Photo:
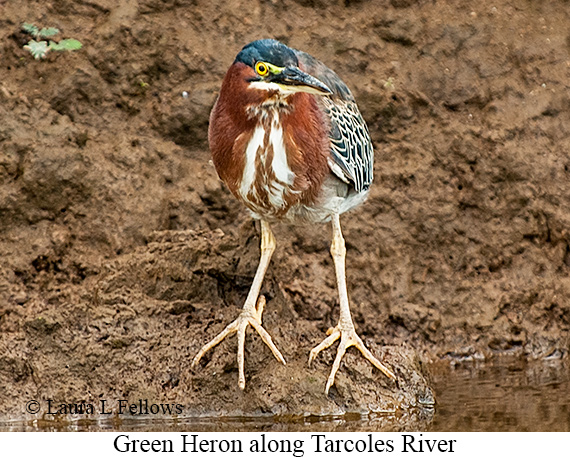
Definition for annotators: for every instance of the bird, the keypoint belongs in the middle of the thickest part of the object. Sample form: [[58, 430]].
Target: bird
[[288, 140]]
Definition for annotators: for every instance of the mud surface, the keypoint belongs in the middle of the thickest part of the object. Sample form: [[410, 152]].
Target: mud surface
[[122, 253]]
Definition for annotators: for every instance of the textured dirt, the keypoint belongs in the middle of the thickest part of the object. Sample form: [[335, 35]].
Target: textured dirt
[[122, 253]]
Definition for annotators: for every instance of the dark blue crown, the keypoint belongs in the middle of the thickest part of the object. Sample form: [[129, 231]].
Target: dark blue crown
[[267, 50]]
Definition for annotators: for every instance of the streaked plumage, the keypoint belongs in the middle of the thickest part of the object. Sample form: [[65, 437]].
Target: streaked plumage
[[351, 147], [289, 141]]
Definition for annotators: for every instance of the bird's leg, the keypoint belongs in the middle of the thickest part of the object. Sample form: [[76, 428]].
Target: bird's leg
[[252, 310], [345, 327]]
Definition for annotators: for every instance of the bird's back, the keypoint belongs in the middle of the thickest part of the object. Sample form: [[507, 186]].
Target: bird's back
[[351, 148]]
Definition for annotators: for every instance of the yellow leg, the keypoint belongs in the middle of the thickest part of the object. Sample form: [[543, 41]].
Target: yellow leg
[[252, 311], [345, 327]]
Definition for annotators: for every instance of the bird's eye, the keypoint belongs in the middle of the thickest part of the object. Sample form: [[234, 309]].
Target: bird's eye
[[261, 68]]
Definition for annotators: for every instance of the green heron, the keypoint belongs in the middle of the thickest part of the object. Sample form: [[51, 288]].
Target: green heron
[[289, 141]]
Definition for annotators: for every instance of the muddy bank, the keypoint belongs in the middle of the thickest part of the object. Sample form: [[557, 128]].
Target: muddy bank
[[122, 253]]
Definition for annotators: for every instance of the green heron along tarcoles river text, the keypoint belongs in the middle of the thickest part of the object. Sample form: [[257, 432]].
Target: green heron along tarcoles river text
[[289, 141]]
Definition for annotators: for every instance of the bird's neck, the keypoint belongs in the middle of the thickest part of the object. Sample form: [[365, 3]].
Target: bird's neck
[[272, 107]]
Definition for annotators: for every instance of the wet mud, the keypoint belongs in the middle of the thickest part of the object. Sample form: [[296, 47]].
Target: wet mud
[[122, 253]]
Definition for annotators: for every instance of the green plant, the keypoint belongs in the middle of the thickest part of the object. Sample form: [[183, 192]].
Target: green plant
[[389, 84], [39, 47]]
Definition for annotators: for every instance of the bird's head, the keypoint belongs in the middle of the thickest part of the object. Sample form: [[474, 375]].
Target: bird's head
[[266, 68]]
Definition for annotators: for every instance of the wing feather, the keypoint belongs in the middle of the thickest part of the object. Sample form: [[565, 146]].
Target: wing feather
[[352, 155], [351, 147]]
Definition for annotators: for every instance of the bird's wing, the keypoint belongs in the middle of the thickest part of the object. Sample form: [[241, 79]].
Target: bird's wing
[[352, 156], [351, 148]]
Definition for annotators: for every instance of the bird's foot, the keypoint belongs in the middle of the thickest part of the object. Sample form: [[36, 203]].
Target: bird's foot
[[348, 337], [250, 315]]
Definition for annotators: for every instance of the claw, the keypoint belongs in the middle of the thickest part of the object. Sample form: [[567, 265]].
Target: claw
[[251, 312], [348, 337], [246, 318], [345, 328]]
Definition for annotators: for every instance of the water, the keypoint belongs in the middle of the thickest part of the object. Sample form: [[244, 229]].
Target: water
[[507, 395]]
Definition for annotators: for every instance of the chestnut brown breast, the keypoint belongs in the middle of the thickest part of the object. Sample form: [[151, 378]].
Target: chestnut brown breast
[[271, 152]]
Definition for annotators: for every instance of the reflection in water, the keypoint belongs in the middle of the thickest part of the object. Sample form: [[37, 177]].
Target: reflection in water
[[508, 395], [511, 396]]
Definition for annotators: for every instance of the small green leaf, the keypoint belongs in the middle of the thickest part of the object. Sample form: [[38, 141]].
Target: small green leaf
[[30, 28], [47, 32], [38, 49], [65, 45]]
